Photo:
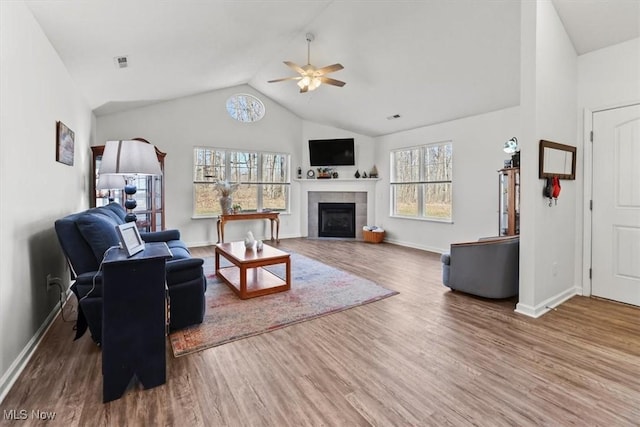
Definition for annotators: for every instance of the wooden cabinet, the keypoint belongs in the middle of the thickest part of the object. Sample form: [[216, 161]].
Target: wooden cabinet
[[509, 202], [149, 196]]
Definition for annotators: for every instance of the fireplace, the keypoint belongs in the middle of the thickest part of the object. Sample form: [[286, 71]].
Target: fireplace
[[324, 195], [337, 220]]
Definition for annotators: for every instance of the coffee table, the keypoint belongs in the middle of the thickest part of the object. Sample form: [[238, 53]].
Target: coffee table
[[246, 277]]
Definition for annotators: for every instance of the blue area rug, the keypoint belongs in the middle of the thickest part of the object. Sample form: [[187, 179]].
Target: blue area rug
[[316, 290]]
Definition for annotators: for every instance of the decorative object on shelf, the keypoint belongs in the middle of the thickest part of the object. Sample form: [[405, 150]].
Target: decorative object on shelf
[[334, 175], [299, 172], [249, 240], [512, 147], [311, 174], [236, 208], [325, 173], [64, 144], [130, 158], [357, 174], [225, 190], [259, 245], [364, 174], [373, 173]]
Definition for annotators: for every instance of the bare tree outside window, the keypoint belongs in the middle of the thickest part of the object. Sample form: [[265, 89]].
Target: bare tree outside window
[[421, 181], [263, 177]]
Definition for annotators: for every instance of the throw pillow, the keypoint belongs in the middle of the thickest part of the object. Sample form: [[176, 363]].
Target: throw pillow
[[99, 231]]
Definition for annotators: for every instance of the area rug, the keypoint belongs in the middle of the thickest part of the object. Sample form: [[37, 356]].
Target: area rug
[[316, 290]]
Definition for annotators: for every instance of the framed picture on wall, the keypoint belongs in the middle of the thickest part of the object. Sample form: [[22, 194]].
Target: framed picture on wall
[[64, 144]]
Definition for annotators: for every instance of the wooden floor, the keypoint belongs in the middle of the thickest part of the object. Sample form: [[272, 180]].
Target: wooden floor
[[425, 357]]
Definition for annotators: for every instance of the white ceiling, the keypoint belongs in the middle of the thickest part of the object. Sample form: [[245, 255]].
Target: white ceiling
[[428, 61]]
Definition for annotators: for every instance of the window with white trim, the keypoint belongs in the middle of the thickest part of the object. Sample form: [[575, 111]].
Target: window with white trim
[[263, 177], [421, 185]]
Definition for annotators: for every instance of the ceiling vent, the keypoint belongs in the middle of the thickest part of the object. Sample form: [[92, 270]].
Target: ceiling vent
[[121, 61]]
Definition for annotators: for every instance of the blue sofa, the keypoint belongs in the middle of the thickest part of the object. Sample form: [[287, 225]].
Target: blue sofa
[[86, 236]]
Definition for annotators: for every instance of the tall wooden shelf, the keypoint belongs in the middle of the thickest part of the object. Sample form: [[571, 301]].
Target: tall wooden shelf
[[150, 194], [509, 202]]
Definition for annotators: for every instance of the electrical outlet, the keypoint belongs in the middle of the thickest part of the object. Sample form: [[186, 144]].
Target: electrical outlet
[[554, 269], [51, 280]]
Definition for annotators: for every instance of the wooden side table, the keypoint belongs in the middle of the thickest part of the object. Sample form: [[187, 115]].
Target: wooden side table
[[274, 217], [134, 319]]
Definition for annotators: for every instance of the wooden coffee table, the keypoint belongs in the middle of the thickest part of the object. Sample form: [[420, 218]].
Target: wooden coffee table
[[246, 277]]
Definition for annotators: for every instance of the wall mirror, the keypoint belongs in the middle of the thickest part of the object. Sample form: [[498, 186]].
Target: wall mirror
[[557, 160]]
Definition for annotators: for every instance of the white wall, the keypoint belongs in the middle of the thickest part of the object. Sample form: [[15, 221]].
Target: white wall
[[610, 77], [607, 78], [477, 156], [35, 190], [177, 126], [549, 101]]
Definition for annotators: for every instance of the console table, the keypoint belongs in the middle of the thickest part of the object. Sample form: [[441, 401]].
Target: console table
[[134, 319], [245, 216]]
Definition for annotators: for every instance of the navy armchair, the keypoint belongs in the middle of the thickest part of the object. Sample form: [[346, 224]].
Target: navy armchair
[[487, 268], [86, 236]]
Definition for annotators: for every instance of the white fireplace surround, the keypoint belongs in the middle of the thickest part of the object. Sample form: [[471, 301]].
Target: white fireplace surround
[[358, 191]]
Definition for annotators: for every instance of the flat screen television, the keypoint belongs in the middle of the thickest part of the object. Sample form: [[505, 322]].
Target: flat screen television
[[331, 152]]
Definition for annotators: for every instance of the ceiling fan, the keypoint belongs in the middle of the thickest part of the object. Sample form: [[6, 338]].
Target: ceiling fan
[[311, 77]]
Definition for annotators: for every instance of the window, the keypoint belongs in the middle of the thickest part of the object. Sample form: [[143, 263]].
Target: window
[[263, 177], [245, 108], [421, 181]]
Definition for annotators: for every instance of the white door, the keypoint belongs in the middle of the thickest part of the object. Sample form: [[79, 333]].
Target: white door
[[616, 205]]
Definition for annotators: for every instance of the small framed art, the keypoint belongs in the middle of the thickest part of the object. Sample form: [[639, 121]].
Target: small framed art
[[64, 144]]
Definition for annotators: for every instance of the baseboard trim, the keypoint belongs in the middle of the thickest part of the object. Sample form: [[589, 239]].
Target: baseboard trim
[[414, 246], [547, 305], [18, 365]]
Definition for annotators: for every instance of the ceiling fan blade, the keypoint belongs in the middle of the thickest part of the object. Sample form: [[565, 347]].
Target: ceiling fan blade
[[328, 69], [295, 67], [331, 81], [284, 78]]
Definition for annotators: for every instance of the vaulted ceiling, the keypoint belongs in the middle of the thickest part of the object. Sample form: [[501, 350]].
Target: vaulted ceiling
[[428, 61]]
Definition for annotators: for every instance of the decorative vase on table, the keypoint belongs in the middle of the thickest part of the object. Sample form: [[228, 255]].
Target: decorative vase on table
[[249, 240], [226, 204]]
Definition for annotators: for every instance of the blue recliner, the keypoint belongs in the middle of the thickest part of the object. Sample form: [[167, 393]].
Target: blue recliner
[[86, 236]]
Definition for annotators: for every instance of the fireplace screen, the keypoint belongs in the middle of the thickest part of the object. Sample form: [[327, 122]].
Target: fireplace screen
[[336, 220]]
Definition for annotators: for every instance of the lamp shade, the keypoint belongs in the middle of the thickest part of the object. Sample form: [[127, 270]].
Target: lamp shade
[[107, 181], [129, 157]]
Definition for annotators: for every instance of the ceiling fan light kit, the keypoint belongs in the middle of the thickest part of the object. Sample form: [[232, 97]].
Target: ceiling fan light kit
[[310, 77]]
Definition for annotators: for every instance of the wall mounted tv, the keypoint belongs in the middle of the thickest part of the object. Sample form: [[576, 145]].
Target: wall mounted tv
[[331, 152]]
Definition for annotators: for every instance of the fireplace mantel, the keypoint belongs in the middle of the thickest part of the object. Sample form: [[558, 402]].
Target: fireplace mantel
[[360, 185]]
